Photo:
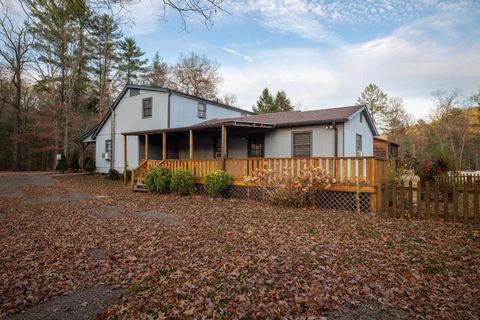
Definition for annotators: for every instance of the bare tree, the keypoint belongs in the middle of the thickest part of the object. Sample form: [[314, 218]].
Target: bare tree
[[197, 75], [186, 9], [16, 42]]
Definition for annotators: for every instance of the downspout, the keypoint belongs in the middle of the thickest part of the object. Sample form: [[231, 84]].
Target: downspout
[[335, 139], [112, 125], [168, 108]]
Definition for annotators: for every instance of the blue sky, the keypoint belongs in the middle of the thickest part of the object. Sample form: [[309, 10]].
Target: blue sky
[[323, 53]]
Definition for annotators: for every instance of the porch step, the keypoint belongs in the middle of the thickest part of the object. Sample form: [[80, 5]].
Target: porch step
[[140, 186]]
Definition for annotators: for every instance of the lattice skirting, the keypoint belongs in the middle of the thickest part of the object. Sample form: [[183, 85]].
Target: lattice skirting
[[321, 199]]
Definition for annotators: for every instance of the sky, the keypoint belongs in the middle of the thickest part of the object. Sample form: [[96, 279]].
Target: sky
[[322, 53]]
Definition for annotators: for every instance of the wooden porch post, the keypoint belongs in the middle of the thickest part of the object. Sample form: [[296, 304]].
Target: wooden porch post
[[125, 160], [191, 144], [146, 148], [224, 146], [164, 145]]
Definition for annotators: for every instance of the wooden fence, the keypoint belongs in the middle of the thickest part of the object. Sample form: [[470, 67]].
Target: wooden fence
[[458, 178], [346, 170], [451, 202]]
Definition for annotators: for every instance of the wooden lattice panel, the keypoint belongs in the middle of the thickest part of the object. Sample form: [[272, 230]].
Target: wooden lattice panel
[[342, 200], [320, 199]]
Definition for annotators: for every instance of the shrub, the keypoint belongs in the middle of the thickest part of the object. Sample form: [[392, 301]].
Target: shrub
[[74, 166], [113, 174], [158, 179], [129, 174], [90, 165], [217, 182], [62, 165], [287, 189], [182, 182]]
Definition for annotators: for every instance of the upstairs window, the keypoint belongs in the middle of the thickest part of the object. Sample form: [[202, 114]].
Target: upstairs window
[[134, 92], [147, 108], [302, 144], [359, 146], [361, 117], [202, 110]]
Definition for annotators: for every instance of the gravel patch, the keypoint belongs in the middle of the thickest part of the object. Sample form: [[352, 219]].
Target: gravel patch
[[68, 197], [109, 212], [167, 218], [367, 311], [10, 185], [86, 304], [97, 253]]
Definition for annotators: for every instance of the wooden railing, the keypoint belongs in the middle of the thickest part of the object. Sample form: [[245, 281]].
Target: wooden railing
[[369, 171]]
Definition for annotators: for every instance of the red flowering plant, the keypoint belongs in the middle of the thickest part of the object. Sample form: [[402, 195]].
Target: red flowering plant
[[429, 169]]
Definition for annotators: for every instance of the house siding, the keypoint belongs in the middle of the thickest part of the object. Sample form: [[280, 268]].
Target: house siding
[[354, 127], [278, 143], [129, 118], [184, 112]]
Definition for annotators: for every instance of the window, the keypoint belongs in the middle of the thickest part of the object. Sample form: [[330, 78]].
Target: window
[[302, 144], [108, 146], [134, 92], [147, 108], [361, 117], [359, 144], [217, 148], [256, 147], [202, 110]]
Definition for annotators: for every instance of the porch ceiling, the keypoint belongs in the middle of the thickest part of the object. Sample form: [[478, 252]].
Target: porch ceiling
[[232, 126]]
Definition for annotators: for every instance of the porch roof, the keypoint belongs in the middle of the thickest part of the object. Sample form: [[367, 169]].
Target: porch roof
[[205, 126]]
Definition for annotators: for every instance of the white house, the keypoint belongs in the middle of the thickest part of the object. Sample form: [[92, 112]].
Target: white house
[[196, 129]]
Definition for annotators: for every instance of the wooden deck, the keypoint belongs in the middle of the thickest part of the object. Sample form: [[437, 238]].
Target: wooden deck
[[368, 171]]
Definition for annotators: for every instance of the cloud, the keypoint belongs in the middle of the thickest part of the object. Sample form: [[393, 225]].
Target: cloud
[[249, 59], [411, 62]]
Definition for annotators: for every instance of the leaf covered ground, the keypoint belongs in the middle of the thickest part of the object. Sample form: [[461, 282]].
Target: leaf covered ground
[[193, 257]]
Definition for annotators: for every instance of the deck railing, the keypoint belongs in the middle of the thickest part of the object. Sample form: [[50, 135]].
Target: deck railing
[[346, 170]]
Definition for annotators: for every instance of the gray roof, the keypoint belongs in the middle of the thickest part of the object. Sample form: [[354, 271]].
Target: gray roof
[[291, 118]]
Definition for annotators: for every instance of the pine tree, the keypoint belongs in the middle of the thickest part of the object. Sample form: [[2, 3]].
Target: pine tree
[[107, 37], [282, 103], [265, 103], [376, 102], [130, 61]]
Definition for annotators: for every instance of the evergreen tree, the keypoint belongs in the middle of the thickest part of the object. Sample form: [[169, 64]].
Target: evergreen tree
[[107, 37], [265, 103], [282, 103], [376, 102], [130, 60]]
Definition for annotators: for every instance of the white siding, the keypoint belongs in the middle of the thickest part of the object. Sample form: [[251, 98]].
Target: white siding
[[129, 118], [354, 127], [278, 143], [183, 112]]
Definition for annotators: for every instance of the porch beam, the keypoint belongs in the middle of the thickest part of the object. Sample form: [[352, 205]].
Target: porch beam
[[146, 148], [224, 146], [164, 145], [191, 144], [125, 160]]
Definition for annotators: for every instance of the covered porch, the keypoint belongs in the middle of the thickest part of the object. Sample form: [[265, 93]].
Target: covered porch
[[239, 149]]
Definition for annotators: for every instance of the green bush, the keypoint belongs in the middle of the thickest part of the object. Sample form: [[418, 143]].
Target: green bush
[[182, 182], [113, 174], [158, 179], [217, 182], [74, 166], [62, 165], [129, 174], [90, 165]]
